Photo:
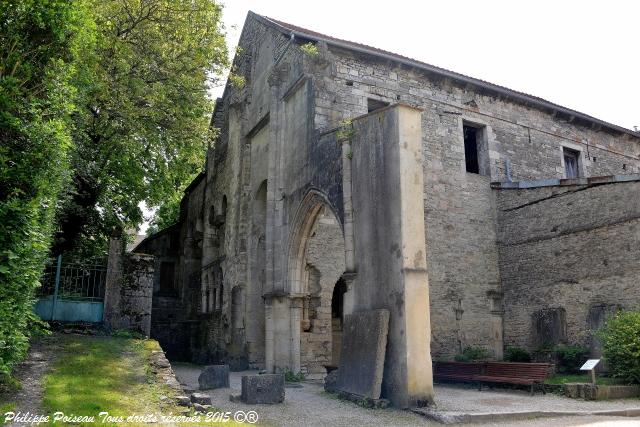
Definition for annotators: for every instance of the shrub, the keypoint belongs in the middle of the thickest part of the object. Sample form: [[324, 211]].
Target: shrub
[[292, 377], [516, 354], [40, 42], [621, 345], [309, 49], [472, 353], [570, 357]]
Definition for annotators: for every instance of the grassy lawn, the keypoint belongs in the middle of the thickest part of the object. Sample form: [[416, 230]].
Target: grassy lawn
[[563, 379], [96, 374]]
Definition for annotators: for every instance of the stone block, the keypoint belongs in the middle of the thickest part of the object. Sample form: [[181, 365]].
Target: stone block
[[268, 388], [201, 398], [214, 376], [183, 400], [331, 381], [600, 392], [364, 344]]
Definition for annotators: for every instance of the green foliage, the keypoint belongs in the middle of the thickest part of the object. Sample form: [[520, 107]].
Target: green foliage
[[292, 377], [570, 357], [8, 385], [309, 49], [41, 43], [103, 104], [125, 333], [516, 354], [472, 353], [143, 129], [345, 131], [236, 80], [166, 215], [621, 345]]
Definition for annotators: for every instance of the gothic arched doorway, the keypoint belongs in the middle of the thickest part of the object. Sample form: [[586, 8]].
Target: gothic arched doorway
[[317, 262]]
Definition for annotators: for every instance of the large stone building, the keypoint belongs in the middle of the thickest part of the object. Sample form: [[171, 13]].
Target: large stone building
[[346, 178]]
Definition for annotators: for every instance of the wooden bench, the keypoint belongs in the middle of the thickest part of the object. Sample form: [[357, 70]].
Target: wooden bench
[[457, 371], [531, 374]]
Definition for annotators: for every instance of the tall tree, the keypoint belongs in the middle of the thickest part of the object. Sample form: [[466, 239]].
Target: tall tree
[[41, 43], [143, 130]]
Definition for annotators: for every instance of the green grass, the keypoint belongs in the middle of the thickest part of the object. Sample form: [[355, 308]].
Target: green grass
[[9, 386], [5, 407], [563, 379], [95, 374]]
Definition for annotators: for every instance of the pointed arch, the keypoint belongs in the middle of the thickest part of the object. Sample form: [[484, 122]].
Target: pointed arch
[[301, 228]]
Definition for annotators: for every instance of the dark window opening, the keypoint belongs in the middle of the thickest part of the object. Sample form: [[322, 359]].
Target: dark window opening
[[375, 104], [337, 300], [571, 159], [471, 149], [212, 215], [167, 279], [224, 206]]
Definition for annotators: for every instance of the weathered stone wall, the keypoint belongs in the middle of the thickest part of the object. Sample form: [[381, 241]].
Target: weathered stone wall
[[459, 206], [129, 289], [569, 256]]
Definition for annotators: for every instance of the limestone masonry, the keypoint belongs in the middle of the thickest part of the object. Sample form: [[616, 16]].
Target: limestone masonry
[[347, 179]]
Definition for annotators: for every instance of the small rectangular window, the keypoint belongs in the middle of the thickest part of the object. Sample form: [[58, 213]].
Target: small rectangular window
[[571, 163], [476, 148], [471, 149]]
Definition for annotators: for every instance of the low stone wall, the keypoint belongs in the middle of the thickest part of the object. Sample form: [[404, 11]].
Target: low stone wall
[[601, 392]]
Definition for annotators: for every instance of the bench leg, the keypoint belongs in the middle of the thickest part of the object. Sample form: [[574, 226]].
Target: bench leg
[[531, 390], [544, 392], [479, 385]]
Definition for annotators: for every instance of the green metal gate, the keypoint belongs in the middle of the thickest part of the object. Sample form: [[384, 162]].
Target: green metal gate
[[72, 292]]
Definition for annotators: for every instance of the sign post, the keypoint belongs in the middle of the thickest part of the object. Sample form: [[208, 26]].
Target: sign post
[[590, 365]]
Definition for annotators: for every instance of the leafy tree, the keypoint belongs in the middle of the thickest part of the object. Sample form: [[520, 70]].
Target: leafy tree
[[144, 124], [621, 345], [40, 44]]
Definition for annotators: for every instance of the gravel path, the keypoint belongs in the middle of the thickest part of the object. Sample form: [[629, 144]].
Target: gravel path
[[306, 406], [311, 406], [42, 354]]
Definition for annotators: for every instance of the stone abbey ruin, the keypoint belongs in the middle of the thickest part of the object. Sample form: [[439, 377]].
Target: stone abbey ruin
[[347, 179]]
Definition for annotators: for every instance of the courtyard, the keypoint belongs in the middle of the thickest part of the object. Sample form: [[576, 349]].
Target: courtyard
[[306, 403]]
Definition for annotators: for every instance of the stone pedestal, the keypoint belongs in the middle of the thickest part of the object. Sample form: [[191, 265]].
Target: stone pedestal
[[214, 376], [268, 388]]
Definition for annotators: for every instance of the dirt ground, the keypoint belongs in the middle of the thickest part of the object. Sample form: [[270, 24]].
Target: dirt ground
[[30, 373]]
